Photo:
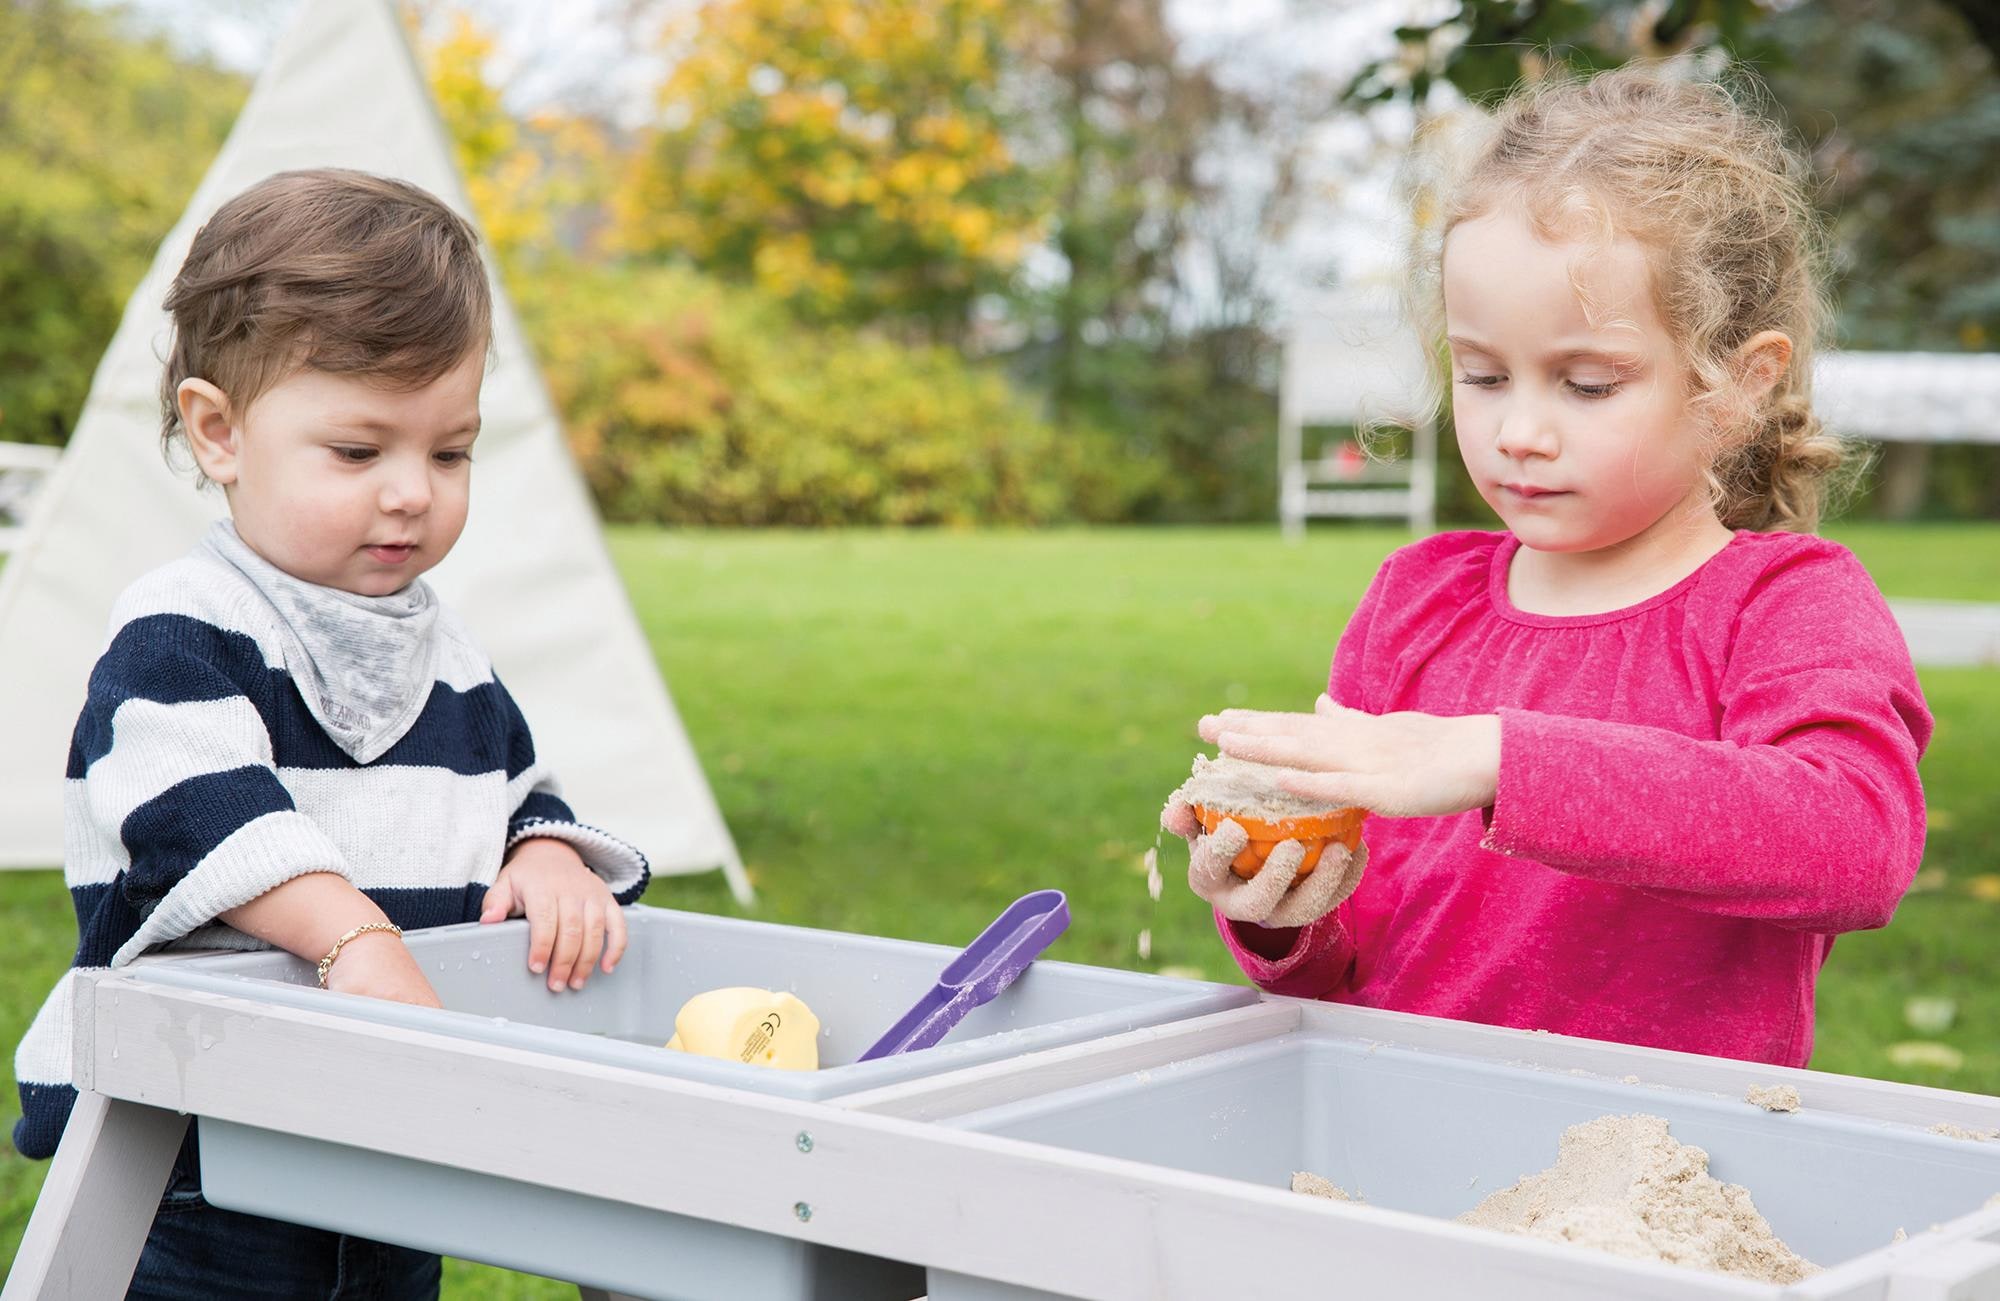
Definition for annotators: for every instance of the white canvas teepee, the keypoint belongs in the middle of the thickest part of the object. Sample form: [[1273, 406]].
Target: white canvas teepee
[[530, 575]]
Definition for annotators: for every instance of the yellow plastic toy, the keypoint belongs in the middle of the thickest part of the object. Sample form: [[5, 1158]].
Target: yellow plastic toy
[[745, 1024]]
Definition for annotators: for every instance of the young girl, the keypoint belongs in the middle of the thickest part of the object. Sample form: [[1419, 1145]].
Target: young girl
[[1639, 758]]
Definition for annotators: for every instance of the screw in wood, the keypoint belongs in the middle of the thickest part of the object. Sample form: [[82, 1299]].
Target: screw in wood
[[803, 1211], [804, 1141]]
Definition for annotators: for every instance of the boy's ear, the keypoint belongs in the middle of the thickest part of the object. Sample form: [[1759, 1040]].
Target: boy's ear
[[211, 437], [1762, 360]]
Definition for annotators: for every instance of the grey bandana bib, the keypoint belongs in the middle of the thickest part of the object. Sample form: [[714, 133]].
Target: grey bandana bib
[[364, 664]]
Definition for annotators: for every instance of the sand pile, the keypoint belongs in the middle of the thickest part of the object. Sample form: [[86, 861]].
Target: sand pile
[[1773, 1097], [1312, 1185], [1251, 789], [1621, 1184]]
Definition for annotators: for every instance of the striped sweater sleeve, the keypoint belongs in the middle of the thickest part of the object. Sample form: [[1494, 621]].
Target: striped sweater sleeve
[[172, 770], [539, 810], [173, 814]]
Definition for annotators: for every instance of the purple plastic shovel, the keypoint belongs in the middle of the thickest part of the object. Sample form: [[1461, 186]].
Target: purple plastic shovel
[[989, 964]]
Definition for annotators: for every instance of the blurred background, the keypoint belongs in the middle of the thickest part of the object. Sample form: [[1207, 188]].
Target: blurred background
[[924, 357]]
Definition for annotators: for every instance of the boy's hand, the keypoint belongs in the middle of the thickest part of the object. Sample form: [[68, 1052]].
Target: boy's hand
[[1274, 897], [571, 916], [1404, 765], [378, 965]]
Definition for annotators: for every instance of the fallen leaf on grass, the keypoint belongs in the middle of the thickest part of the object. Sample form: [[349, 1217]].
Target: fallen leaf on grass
[[1930, 1015], [1931, 878], [1940, 1057], [1182, 973], [1986, 887]]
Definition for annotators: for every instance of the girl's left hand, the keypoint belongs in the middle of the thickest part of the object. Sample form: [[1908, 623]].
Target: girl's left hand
[[1403, 765], [572, 917]]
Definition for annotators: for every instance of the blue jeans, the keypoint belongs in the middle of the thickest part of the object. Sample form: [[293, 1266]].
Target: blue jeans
[[198, 1252]]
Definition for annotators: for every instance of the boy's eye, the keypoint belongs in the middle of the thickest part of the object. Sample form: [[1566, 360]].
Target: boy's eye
[[453, 458], [354, 455]]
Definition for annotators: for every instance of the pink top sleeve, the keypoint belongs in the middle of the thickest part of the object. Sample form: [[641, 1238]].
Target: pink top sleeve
[[1806, 812]]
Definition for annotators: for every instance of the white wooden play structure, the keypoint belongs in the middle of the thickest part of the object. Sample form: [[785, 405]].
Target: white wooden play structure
[[1922, 397], [1348, 364], [1041, 1153], [531, 574]]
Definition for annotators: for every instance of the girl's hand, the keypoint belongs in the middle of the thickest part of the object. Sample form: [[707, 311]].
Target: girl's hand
[[1269, 898], [571, 916], [378, 965], [1404, 765]]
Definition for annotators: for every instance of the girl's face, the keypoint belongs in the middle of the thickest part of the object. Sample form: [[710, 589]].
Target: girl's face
[[345, 484], [1574, 424]]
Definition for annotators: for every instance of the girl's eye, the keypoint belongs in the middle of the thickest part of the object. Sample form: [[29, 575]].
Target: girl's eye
[[1480, 381], [354, 455], [1604, 390]]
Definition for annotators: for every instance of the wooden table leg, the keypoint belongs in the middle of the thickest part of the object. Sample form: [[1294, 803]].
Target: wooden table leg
[[97, 1204]]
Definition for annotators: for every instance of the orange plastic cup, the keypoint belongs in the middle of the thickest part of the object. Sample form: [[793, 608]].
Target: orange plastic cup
[[1315, 833]]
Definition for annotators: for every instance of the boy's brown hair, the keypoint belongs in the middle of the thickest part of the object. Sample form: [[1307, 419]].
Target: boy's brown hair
[[338, 270]]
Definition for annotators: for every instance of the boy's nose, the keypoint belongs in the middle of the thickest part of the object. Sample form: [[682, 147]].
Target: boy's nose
[[406, 493]]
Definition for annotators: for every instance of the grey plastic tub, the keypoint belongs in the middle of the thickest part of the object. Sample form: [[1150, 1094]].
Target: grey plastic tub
[[1427, 1132], [856, 984]]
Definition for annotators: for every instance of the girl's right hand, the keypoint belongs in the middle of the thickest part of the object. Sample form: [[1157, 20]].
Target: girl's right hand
[[379, 965], [1274, 897]]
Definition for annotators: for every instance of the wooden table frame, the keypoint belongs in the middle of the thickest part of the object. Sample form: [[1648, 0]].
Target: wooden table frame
[[876, 1176]]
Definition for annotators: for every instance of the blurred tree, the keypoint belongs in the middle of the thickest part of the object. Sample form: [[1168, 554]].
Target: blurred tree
[[1173, 188], [1482, 47], [103, 136], [1900, 104], [537, 184], [849, 156]]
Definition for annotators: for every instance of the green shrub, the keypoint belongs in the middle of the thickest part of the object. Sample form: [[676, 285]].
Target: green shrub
[[692, 402]]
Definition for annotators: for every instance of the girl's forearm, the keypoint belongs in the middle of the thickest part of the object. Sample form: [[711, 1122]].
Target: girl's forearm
[[1819, 831]]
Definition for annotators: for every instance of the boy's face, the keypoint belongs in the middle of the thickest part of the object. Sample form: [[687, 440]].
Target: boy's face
[[1575, 424], [345, 484]]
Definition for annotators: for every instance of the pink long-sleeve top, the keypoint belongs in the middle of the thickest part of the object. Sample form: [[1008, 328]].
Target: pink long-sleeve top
[[1696, 794]]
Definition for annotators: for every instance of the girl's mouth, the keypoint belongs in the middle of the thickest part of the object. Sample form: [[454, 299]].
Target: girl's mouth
[[1529, 492]]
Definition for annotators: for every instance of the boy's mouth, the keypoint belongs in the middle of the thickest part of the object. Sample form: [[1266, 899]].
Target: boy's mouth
[[392, 555]]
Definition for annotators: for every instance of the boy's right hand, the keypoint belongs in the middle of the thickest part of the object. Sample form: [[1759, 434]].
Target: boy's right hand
[[379, 965], [1274, 897]]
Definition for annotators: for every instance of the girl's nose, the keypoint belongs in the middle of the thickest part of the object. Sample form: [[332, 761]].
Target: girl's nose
[[1524, 433]]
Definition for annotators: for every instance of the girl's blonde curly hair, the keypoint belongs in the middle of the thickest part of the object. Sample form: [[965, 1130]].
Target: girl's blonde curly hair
[[1689, 168]]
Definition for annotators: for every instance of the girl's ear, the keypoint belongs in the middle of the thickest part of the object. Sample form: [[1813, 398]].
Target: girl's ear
[[211, 437], [1761, 361]]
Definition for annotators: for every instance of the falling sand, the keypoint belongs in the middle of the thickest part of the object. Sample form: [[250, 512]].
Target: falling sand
[[1622, 1185]]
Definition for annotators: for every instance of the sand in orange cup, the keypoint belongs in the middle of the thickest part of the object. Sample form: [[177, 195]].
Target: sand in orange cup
[[1315, 833]]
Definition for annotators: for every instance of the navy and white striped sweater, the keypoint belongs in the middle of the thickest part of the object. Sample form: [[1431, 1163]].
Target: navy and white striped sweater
[[198, 779]]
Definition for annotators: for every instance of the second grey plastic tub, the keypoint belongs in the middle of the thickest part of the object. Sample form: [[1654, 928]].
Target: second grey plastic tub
[[856, 984], [1428, 1132]]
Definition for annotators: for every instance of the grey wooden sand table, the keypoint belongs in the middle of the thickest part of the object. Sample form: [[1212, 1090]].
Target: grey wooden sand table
[[1054, 1152]]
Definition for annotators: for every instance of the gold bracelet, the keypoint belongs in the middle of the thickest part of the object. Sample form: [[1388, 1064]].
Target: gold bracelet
[[326, 963]]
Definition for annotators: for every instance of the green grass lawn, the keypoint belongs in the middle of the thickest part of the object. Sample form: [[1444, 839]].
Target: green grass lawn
[[906, 731]]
